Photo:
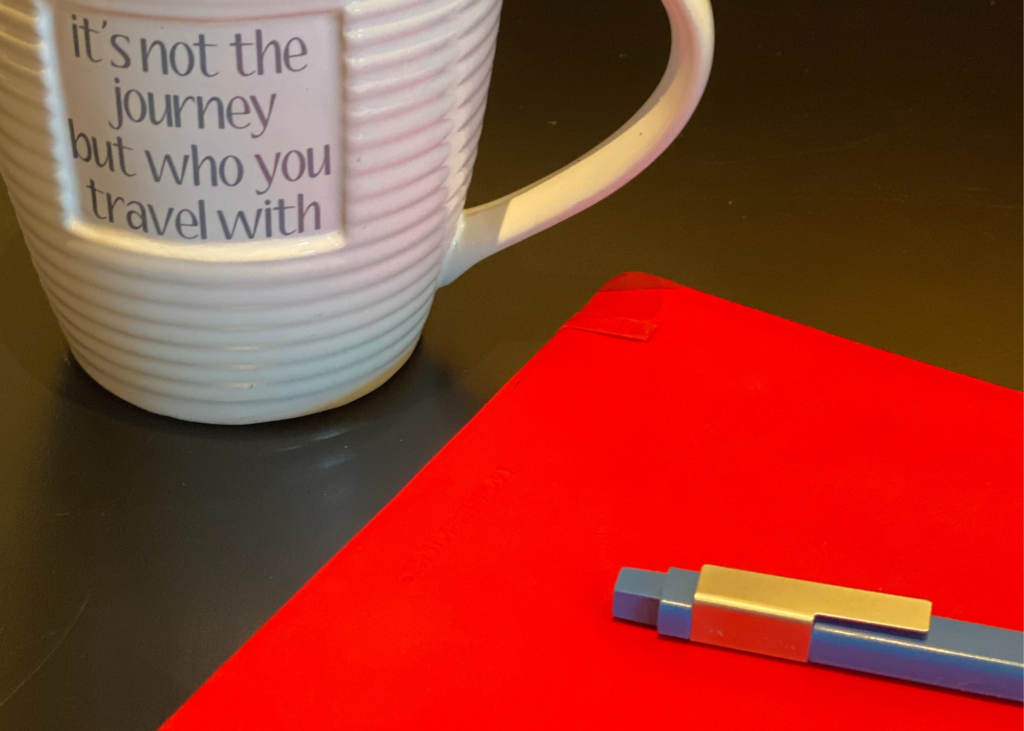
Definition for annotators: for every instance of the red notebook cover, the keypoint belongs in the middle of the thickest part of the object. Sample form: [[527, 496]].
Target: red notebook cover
[[661, 427]]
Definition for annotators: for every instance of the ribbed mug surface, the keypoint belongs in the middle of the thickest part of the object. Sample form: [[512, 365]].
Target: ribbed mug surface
[[133, 134]]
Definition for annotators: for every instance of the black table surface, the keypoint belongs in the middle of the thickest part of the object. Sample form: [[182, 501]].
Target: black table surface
[[855, 166]]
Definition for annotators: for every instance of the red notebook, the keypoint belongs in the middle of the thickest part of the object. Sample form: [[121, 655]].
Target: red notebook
[[660, 427]]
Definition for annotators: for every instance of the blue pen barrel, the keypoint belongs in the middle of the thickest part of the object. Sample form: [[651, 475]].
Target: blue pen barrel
[[963, 656]]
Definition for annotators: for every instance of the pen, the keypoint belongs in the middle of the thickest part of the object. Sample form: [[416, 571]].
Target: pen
[[823, 624]]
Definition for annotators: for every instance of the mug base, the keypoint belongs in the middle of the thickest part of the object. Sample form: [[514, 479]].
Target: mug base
[[244, 412]]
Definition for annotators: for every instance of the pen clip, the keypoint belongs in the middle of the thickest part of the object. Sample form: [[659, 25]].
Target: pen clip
[[774, 615]]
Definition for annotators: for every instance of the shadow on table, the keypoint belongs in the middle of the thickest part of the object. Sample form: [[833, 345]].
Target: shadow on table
[[142, 551]]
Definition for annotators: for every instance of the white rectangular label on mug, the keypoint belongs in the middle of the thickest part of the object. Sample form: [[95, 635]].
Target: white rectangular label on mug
[[203, 131]]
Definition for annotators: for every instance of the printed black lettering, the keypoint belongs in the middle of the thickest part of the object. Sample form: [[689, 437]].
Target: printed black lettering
[[304, 209], [182, 59], [111, 205], [264, 117], [156, 220], [203, 107], [268, 175], [136, 217], [202, 45], [126, 60], [261, 54], [239, 47], [76, 137], [167, 162], [299, 52], [147, 50], [180, 225], [95, 191], [231, 114], [240, 218]]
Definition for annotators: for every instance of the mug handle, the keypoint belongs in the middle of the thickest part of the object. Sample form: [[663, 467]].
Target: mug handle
[[489, 228]]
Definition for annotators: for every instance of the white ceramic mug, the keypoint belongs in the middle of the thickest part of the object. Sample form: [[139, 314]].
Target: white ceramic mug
[[240, 210]]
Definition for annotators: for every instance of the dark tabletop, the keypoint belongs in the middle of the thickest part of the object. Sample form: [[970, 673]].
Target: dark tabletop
[[855, 166]]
